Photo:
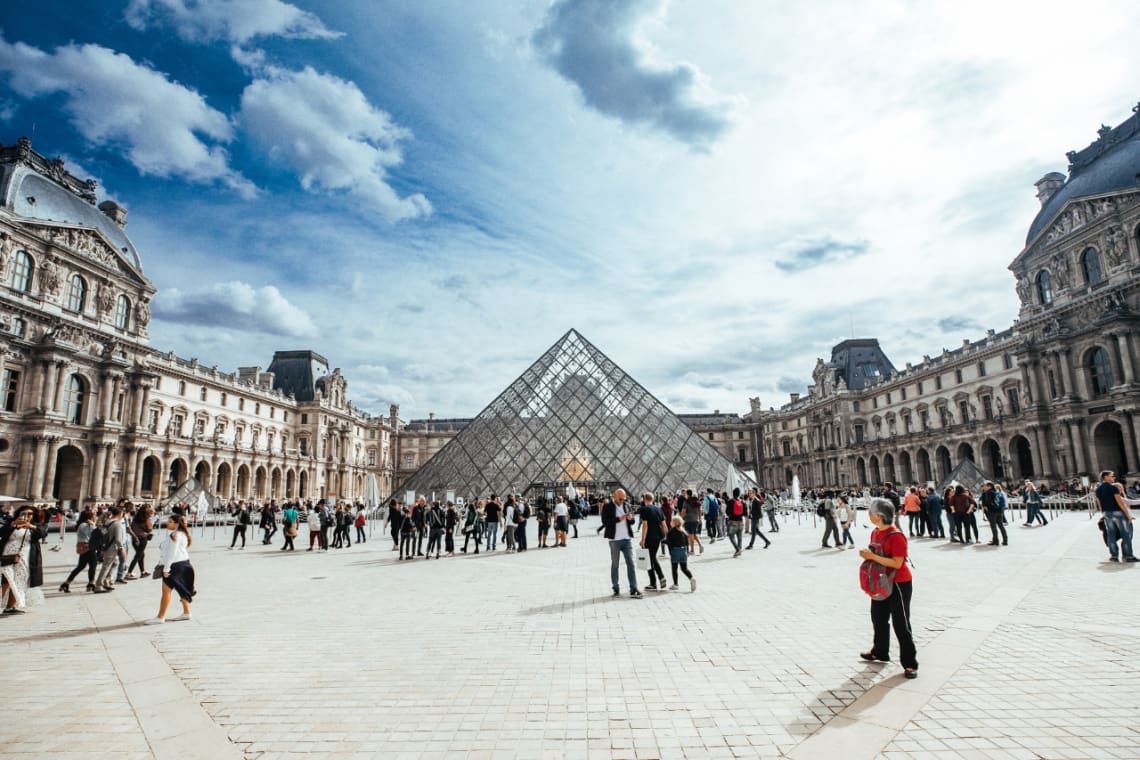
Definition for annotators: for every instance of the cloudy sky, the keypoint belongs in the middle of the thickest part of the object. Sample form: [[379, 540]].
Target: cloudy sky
[[431, 193]]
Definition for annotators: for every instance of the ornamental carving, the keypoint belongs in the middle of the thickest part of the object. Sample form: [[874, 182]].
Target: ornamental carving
[[50, 279], [1115, 246], [1059, 267], [104, 298], [142, 313], [1024, 291], [1078, 215], [87, 243], [7, 246]]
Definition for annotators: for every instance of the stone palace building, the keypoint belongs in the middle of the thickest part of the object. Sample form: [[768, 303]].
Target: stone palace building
[[1054, 396], [91, 411]]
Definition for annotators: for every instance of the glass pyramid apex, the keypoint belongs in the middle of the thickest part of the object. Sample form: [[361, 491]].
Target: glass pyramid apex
[[574, 417]]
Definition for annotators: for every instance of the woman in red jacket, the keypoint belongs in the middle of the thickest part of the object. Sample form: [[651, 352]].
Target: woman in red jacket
[[895, 608]]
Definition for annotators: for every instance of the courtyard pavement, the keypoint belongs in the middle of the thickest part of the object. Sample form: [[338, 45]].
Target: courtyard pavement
[[1026, 651]]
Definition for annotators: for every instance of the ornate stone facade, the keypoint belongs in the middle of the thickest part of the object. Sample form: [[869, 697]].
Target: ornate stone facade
[[90, 411]]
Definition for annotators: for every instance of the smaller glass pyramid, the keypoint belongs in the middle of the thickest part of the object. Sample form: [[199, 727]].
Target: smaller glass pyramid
[[572, 418]]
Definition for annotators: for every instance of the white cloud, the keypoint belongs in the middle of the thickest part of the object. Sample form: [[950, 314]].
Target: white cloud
[[166, 128], [236, 21], [238, 306], [324, 128], [598, 46]]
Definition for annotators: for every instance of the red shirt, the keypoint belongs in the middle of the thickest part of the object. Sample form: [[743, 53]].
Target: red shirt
[[894, 545]]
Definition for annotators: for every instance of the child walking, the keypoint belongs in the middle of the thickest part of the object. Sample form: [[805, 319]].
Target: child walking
[[678, 541]]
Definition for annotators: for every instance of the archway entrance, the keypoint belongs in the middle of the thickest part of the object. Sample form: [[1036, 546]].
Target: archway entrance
[[68, 485], [905, 468], [876, 476], [242, 482], [202, 474], [1022, 457], [860, 472], [150, 473], [1108, 440], [991, 460], [179, 471], [966, 451], [222, 484], [889, 468], [942, 454], [924, 473]]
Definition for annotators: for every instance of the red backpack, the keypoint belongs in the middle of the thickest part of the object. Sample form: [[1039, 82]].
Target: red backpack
[[737, 508], [877, 582]]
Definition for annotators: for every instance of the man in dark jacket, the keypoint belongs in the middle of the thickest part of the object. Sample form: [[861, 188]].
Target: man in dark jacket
[[617, 524], [756, 514]]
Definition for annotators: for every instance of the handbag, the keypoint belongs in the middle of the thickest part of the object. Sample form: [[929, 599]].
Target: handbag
[[7, 560], [82, 547], [157, 573]]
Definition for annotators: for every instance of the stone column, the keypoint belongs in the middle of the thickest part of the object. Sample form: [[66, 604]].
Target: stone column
[[108, 471], [1125, 347], [127, 483], [1078, 388], [1130, 439], [46, 383], [141, 412], [39, 469], [96, 472], [1028, 382], [57, 399], [50, 467], [1080, 452]]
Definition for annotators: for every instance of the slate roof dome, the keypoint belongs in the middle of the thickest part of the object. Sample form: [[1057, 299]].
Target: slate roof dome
[[1110, 164], [35, 187]]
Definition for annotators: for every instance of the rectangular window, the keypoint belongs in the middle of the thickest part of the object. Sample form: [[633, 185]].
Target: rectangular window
[[176, 425], [19, 327], [241, 404], [158, 383], [1052, 385], [924, 419], [888, 398], [272, 412], [740, 436], [223, 398], [1014, 401], [741, 455], [712, 437], [902, 392], [119, 406], [906, 423], [303, 443], [787, 448], [964, 410], [11, 385], [284, 416], [858, 434], [875, 402], [958, 376], [409, 461], [1007, 361], [181, 387], [200, 427], [938, 383], [988, 407], [855, 406], [371, 458], [304, 419], [257, 407], [981, 369], [920, 387], [203, 394], [152, 421]]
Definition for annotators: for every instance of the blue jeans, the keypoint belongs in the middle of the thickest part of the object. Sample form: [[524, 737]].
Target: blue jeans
[[1116, 528], [618, 548], [492, 535]]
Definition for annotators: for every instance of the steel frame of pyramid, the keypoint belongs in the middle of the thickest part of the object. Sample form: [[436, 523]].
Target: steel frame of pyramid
[[573, 416]]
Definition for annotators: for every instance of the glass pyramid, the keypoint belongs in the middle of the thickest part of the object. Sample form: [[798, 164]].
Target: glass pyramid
[[572, 418]]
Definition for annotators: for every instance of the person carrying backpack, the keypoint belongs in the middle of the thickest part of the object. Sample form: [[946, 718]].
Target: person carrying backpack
[[711, 508], [735, 517], [886, 577], [756, 514], [826, 510]]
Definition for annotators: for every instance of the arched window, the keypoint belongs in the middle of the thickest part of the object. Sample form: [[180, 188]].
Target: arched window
[[1101, 371], [20, 278], [75, 396], [1090, 266], [1044, 287], [122, 312], [77, 294]]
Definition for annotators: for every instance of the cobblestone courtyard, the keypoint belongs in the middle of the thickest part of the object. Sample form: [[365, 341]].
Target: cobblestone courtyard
[[1025, 651]]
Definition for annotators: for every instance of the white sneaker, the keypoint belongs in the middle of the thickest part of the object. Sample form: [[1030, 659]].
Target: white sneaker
[[130, 576], [155, 621], [180, 618], [692, 584], [673, 587]]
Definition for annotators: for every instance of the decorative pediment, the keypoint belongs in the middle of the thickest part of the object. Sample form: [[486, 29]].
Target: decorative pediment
[[88, 243], [1075, 215]]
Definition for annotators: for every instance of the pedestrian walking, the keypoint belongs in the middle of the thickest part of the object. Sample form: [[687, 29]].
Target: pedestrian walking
[[241, 522], [21, 569], [359, 523], [290, 517], [87, 559], [826, 510], [1033, 505], [992, 503], [114, 538], [617, 524], [845, 516], [770, 510], [678, 541], [177, 572], [450, 522], [888, 549], [711, 508], [755, 516], [140, 534], [407, 535], [267, 521], [392, 522], [653, 531], [692, 515], [1117, 516], [735, 510], [471, 526]]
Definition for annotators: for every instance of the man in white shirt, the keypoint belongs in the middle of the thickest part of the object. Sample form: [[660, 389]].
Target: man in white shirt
[[618, 524], [509, 525]]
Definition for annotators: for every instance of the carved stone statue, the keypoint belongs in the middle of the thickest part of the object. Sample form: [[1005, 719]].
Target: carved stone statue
[[1115, 246], [104, 299], [50, 280], [1060, 268], [1023, 288], [7, 246], [142, 313]]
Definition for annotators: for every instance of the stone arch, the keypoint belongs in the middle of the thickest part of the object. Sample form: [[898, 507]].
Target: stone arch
[[966, 451], [275, 483], [260, 482], [242, 490], [875, 473], [223, 484], [942, 457], [992, 459], [68, 485], [860, 472], [202, 473], [1021, 457], [303, 484], [889, 472], [1108, 446], [925, 471], [906, 468], [179, 471], [150, 476], [290, 483]]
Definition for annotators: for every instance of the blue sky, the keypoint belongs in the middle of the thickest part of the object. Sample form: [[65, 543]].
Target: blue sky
[[431, 193]]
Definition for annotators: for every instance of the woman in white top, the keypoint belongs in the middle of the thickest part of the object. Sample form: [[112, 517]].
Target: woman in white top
[[561, 521], [177, 573]]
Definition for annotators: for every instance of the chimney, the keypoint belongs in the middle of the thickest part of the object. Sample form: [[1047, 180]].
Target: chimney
[[1048, 185], [431, 415], [114, 212], [795, 397]]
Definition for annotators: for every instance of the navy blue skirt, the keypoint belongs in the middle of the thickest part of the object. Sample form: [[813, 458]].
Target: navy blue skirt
[[181, 579]]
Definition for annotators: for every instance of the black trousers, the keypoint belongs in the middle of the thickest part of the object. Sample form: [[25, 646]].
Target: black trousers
[[655, 571], [434, 542], [239, 530], [756, 532], [997, 523], [324, 538], [972, 526], [914, 523], [89, 560], [520, 537], [449, 542], [140, 556], [395, 536], [830, 527], [772, 521], [895, 610], [471, 535], [288, 543], [407, 545], [684, 569], [420, 533]]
